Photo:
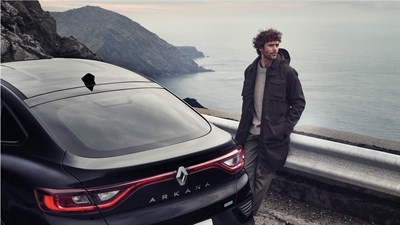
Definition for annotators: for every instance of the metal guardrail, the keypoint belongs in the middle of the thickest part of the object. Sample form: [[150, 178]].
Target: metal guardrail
[[363, 167]]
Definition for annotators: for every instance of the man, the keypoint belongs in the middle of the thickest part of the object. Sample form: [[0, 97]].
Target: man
[[273, 102]]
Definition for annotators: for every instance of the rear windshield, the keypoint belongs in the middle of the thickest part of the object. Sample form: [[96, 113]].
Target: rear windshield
[[120, 122]]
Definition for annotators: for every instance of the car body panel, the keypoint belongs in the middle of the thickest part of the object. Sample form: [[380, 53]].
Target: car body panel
[[166, 211], [45, 158], [61, 74]]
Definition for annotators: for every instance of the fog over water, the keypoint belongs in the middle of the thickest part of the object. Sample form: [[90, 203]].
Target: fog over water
[[347, 54]]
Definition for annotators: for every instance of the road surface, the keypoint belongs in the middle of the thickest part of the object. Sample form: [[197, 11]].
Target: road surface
[[281, 210]]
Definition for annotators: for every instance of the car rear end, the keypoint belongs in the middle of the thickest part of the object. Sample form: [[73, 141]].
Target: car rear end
[[140, 154], [141, 165], [188, 190]]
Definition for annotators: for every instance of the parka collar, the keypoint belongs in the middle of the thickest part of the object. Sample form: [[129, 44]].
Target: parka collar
[[283, 56], [255, 63], [274, 65]]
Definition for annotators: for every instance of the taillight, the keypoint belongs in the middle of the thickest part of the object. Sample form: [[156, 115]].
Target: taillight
[[232, 163], [72, 202], [94, 200]]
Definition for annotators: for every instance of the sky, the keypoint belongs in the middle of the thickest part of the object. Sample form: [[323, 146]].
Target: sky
[[168, 18], [215, 26]]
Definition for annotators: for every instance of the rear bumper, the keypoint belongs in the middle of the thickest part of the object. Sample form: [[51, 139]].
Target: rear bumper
[[221, 204], [230, 203], [232, 217]]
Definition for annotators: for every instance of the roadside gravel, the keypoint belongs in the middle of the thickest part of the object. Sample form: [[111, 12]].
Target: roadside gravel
[[282, 210]]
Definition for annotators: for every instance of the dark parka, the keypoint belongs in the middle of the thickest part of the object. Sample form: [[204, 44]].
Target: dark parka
[[283, 104]]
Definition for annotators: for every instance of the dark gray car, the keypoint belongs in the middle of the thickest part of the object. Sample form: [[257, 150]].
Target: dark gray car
[[85, 142]]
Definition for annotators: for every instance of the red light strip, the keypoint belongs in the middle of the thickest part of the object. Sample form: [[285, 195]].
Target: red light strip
[[133, 187], [48, 198], [219, 163], [51, 204]]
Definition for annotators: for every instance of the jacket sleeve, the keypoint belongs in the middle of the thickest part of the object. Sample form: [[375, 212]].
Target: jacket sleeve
[[246, 116], [296, 100]]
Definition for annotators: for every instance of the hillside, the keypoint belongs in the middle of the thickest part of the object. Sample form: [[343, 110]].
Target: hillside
[[121, 41], [28, 32]]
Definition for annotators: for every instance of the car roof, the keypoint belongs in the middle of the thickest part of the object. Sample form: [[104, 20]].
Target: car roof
[[39, 77]]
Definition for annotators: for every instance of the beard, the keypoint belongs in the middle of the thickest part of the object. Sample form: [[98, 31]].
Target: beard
[[270, 56]]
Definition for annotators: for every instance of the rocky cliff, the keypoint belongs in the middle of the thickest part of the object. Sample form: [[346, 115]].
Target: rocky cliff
[[28, 32], [121, 41], [190, 51]]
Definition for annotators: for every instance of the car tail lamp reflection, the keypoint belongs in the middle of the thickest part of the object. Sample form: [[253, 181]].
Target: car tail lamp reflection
[[94, 200]]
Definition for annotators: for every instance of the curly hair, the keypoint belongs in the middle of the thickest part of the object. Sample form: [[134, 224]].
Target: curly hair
[[266, 36]]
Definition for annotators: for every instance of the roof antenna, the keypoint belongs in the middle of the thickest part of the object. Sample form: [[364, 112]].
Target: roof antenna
[[88, 80]]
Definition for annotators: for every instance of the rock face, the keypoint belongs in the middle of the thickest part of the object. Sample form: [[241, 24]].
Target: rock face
[[194, 103], [121, 41], [28, 32]]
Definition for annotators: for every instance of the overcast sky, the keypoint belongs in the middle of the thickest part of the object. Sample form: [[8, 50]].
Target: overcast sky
[[168, 18], [214, 26]]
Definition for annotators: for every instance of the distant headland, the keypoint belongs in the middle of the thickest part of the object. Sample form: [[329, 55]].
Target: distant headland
[[90, 32]]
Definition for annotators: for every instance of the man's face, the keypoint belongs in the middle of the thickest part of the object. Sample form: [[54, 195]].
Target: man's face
[[270, 50]]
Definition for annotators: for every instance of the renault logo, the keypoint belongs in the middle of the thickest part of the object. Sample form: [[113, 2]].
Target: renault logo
[[181, 176]]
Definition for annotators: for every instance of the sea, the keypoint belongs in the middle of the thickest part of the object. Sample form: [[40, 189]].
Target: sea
[[347, 57]]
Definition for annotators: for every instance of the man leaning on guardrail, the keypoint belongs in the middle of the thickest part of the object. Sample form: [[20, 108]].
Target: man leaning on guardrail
[[273, 102]]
